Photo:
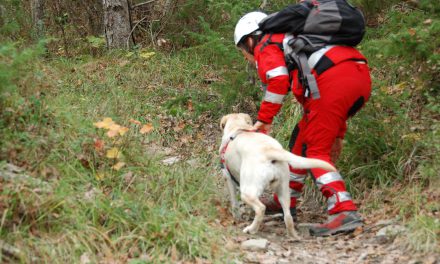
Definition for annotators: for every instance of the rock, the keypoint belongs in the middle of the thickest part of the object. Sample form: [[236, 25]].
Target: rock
[[276, 248], [283, 261], [17, 176], [255, 244], [390, 231], [192, 162], [385, 222], [171, 160], [85, 259], [251, 258], [431, 260], [268, 259]]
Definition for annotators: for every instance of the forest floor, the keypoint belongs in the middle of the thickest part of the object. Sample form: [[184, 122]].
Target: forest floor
[[379, 241], [383, 238]]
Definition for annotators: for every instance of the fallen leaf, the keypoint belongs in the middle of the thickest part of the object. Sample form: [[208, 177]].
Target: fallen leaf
[[99, 145], [146, 128], [115, 129], [123, 63], [123, 130], [359, 230], [174, 253], [412, 31], [112, 133], [100, 176], [84, 161], [105, 123], [179, 127], [428, 21], [118, 165], [134, 121], [146, 55], [190, 106], [113, 153]]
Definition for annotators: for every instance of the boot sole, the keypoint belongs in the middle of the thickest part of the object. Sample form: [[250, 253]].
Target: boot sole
[[347, 228]]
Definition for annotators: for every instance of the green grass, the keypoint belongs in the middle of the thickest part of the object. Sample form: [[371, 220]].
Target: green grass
[[146, 208]]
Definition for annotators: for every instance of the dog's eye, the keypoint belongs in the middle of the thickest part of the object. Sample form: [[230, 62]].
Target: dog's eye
[[223, 126]]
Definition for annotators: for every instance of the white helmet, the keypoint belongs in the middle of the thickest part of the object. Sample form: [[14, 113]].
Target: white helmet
[[247, 24]]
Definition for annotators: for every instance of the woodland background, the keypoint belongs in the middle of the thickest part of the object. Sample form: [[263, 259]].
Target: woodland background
[[109, 138]]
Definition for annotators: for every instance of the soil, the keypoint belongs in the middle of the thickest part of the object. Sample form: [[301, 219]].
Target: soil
[[364, 245]]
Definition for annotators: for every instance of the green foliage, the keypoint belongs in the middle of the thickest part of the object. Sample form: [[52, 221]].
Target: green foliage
[[15, 63], [143, 208], [14, 21]]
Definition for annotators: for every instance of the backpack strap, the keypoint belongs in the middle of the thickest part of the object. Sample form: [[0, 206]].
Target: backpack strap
[[269, 42], [298, 55]]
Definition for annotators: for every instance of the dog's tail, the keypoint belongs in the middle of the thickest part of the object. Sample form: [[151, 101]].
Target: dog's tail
[[298, 162]]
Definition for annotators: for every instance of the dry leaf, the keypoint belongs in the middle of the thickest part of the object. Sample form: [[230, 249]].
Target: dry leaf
[[100, 176], [428, 21], [112, 133], [146, 55], [359, 230], [115, 129], [99, 145], [113, 153], [146, 128], [179, 127], [118, 165], [134, 121], [174, 254], [123, 130], [106, 123], [190, 106], [412, 31]]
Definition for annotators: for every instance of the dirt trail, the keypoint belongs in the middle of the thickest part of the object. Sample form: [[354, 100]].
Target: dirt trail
[[370, 244]]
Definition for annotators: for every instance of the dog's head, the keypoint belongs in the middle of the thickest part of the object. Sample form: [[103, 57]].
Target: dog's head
[[236, 120]]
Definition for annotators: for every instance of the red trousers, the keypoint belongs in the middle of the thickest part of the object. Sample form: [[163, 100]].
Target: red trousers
[[344, 89]]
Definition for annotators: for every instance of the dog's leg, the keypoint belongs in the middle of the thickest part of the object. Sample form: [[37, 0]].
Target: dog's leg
[[283, 193], [251, 198], [231, 187]]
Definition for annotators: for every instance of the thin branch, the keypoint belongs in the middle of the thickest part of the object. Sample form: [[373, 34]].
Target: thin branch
[[141, 4], [132, 30], [263, 5]]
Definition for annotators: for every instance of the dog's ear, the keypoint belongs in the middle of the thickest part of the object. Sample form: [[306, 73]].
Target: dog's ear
[[223, 121]]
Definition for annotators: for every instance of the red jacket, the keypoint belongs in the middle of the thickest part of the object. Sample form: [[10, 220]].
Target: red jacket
[[275, 77]]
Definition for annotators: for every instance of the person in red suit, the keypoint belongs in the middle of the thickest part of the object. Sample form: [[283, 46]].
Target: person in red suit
[[344, 84]]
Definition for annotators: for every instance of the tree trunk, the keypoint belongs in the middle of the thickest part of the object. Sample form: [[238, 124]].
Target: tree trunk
[[37, 9], [117, 24]]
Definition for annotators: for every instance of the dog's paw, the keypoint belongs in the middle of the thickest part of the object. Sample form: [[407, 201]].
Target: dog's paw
[[293, 234], [250, 230]]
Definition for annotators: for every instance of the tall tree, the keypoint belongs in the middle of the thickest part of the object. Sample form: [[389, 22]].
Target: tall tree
[[117, 24], [37, 9]]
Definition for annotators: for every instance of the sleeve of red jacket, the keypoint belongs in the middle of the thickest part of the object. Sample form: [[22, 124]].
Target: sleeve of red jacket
[[275, 77]]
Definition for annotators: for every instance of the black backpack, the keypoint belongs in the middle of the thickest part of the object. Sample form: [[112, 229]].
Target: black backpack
[[314, 24], [322, 22]]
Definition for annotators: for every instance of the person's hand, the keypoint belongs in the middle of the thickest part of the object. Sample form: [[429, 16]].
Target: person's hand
[[262, 127], [336, 150]]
